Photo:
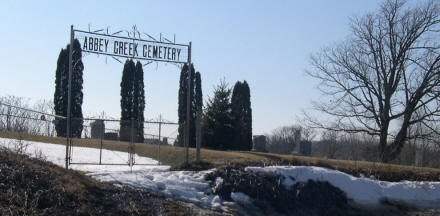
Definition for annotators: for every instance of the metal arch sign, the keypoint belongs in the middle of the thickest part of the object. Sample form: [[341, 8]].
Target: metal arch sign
[[135, 48], [127, 47]]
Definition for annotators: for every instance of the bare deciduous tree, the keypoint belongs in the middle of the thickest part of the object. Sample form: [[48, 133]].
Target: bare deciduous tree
[[14, 119], [284, 140], [385, 72]]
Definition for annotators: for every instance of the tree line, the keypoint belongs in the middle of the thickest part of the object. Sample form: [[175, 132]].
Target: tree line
[[227, 118]]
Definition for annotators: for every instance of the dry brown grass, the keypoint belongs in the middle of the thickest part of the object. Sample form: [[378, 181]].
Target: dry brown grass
[[175, 155]]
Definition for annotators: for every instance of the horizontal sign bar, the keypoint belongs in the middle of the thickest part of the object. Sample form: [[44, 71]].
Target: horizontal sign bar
[[126, 47]]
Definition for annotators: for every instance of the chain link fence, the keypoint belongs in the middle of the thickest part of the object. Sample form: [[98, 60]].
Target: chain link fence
[[114, 142], [129, 140]]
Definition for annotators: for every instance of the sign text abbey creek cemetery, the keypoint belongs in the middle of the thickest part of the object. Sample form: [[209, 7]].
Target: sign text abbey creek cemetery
[[131, 48]]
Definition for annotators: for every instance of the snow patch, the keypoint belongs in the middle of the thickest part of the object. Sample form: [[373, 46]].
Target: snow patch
[[362, 190], [241, 198], [218, 183]]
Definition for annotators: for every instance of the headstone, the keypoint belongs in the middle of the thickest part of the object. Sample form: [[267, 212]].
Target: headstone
[[98, 129], [259, 143]]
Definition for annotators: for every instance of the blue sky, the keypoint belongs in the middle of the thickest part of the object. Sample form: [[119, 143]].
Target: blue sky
[[267, 43]]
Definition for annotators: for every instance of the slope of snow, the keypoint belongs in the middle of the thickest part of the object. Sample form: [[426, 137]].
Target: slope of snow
[[184, 185], [56, 154], [362, 190]]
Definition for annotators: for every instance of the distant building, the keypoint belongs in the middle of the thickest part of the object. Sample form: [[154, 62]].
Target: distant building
[[259, 143], [97, 129]]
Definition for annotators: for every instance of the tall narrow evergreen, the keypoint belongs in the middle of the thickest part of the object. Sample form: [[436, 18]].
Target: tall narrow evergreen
[[241, 116], [127, 98], [193, 109], [247, 117], [183, 88], [139, 101], [182, 105], [61, 90], [198, 112], [198, 93], [60, 97], [77, 87]]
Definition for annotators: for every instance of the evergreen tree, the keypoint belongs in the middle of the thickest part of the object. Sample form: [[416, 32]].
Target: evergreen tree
[[198, 107], [241, 116], [61, 90], [183, 88], [217, 120], [198, 93], [127, 98], [247, 117], [60, 97], [193, 109], [139, 101], [77, 86], [182, 105]]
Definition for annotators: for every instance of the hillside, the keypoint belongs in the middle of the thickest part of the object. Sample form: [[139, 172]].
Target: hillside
[[247, 186], [174, 156], [32, 186]]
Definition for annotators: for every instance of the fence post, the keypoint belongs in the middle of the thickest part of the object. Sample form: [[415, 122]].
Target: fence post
[[8, 118], [69, 98], [102, 136], [158, 150], [130, 148], [188, 106]]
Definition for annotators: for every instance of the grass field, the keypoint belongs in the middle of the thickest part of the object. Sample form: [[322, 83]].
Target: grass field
[[175, 155]]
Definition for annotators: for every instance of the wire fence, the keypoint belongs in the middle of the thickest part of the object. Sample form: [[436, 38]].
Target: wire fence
[[25, 120], [115, 142]]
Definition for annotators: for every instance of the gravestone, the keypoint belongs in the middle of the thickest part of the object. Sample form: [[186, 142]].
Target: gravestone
[[165, 141], [259, 143], [97, 129]]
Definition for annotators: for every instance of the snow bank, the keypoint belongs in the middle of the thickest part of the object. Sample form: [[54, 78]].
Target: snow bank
[[184, 185], [362, 190], [56, 154]]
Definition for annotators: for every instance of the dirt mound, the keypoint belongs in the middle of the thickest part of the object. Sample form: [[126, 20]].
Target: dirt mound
[[305, 198], [34, 187]]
